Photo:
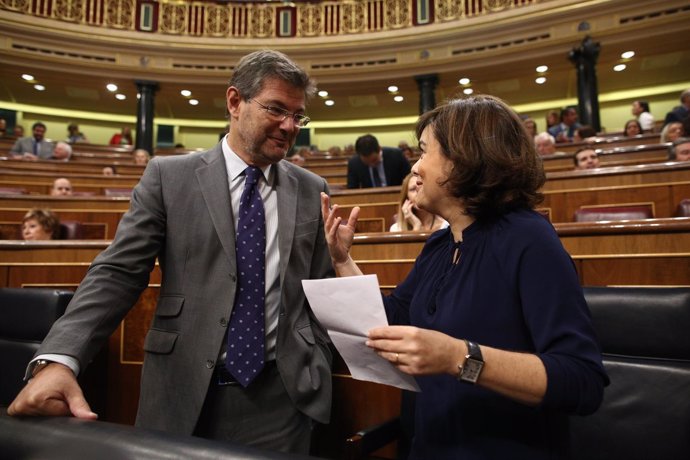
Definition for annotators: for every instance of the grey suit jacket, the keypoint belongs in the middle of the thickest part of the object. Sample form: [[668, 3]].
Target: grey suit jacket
[[181, 214], [26, 144]]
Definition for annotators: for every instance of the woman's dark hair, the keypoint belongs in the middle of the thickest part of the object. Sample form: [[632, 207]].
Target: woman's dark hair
[[495, 166], [632, 122], [644, 105]]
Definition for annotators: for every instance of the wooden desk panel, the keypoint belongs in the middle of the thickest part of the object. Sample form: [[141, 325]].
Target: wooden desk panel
[[26, 202]]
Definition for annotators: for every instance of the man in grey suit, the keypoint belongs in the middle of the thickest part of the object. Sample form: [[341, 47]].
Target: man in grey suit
[[184, 212], [33, 147]]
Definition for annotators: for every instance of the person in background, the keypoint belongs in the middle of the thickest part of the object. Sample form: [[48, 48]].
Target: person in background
[[62, 151], [680, 149], [641, 110], [531, 127], [545, 144], [40, 224], [632, 128], [18, 131], [410, 217], [586, 158], [74, 135], [552, 119], [406, 150], [141, 157], [374, 166], [109, 171], [491, 319], [34, 147], [585, 133], [190, 214], [61, 187], [671, 132], [679, 113], [124, 137], [564, 131], [334, 151], [3, 127]]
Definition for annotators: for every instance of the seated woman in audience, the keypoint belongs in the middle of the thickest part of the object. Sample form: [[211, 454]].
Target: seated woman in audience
[[40, 224], [410, 217], [141, 157], [491, 320], [632, 128], [671, 132], [531, 127], [122, 138]]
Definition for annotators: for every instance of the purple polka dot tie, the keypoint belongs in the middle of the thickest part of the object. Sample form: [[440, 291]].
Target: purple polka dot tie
[[245, 355]]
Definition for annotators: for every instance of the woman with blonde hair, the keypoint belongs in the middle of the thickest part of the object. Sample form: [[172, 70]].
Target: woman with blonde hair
[[40, 224], [410, 217]]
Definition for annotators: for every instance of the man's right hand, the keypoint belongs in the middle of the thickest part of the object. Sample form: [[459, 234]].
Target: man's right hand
[[53, 391]]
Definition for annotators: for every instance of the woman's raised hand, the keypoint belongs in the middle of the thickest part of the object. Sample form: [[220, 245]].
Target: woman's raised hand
[[339, 237]]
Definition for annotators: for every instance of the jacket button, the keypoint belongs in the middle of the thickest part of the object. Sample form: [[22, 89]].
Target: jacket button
[[233, 277], [210, 363], [223, 322]]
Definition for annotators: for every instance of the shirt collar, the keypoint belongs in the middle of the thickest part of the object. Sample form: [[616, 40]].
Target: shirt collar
[[236, 165]]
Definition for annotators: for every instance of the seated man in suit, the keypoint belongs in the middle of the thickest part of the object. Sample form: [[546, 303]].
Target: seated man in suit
[[33, 147], [374, 166]]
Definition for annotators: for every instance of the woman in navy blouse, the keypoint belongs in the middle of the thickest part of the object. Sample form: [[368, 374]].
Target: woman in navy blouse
[[491, 320]]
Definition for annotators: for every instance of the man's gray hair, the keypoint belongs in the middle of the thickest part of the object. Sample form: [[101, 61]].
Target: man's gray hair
[[676, 143], [257, 67]]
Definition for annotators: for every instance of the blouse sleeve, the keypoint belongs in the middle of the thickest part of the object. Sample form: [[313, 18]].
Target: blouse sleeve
[[560, 324]]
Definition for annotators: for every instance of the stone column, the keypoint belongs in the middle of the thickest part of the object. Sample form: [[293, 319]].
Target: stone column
[[427, 85], [145, 104], [585, 60]]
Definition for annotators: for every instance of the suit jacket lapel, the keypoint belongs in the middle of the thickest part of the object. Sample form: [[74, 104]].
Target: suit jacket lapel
[[213, 182], [287, 187]]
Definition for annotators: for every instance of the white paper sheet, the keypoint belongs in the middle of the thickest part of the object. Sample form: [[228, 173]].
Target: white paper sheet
[[348, 308]]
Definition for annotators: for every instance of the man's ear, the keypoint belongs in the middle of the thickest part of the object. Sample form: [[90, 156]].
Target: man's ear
[[232, 101]]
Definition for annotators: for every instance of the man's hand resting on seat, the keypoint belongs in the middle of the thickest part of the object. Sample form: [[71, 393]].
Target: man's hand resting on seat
[[53, 391]]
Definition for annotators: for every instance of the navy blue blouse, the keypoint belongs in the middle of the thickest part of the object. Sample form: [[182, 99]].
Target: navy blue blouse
[[514, 288]]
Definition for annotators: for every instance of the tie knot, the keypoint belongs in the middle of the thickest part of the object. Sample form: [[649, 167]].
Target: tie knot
[[253, 174]]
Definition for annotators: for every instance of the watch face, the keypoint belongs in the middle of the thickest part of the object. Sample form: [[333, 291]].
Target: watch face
[[471, 370]]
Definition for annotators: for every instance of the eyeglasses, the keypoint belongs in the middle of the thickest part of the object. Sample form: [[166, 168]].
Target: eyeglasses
[[281, 114]]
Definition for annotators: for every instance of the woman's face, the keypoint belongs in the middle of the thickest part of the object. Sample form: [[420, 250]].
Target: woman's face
[[674, 132], [430, 170], [631, 129], [33, 231]]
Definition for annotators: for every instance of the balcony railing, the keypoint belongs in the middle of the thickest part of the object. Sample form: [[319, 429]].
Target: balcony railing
[[259, 20]]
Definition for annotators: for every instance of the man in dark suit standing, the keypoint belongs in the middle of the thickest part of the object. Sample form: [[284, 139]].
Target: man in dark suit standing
[[373, 166], [199, 215]]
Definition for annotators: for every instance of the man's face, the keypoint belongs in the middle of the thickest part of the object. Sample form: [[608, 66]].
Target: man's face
[[683, 152], [545, 147], [373, 159], [255, 135], [39, 132], [570, 117], [587, 159], [61, 187], [61, 152]]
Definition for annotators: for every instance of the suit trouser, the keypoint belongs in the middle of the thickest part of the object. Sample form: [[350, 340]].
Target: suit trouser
[[261, 415]]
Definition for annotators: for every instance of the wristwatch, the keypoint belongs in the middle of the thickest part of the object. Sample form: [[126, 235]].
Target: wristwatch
[[473, 365], [37, 366]]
